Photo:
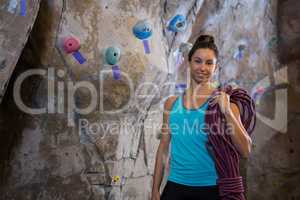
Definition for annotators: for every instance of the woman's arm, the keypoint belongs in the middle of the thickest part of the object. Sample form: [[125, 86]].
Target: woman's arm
[[163, 148], [239, 135]]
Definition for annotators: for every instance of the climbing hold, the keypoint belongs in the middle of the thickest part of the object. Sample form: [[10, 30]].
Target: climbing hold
[[233, 84], [143, 31], [179, 59], [215, 84], [185, 47], [239, 54], [180, 53], [78, 56], [12, 6], [116, 72], [23, 7], [260, 90], [180, 87], [177, 24], [123, 179], [257, 94], [112, 55], [273, 41], [72, 46], [118, 180], [146, 46]]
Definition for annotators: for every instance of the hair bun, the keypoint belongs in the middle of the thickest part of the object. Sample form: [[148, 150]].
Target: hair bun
[[205, 39]]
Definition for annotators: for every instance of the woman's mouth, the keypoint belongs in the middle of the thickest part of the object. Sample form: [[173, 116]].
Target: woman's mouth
[[202, 75]]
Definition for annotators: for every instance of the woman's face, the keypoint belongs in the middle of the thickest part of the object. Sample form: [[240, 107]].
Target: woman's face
[[203, 65]]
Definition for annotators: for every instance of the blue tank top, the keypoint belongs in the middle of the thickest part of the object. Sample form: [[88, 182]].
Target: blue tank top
[[190, 162]]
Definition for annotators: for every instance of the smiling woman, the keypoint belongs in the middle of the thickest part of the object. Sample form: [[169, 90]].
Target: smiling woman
[[195, 169], [192, 170]]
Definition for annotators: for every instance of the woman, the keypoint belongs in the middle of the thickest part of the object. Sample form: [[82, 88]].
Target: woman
[[192, 169]]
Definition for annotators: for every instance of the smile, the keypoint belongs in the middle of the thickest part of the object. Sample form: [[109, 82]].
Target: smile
[[201, 74]]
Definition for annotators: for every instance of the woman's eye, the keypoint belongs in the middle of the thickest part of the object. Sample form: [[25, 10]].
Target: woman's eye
[[198, 61], [210, 63]]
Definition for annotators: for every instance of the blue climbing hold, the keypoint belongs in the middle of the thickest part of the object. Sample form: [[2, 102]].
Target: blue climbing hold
[[177, 23], [112, 55], [142, 30]]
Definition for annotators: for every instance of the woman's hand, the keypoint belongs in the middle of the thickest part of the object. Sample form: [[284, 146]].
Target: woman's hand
[[223, 100], [155, 195]]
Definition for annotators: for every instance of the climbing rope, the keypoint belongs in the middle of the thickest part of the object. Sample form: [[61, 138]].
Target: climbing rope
[[221, 146]]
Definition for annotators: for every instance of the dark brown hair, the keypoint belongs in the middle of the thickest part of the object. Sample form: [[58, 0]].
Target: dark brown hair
[[205, 42]]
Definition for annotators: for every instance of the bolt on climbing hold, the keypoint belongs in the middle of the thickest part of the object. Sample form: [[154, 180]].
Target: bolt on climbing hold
[[112, 57], [143, 31], [72, 46], [177, 24]]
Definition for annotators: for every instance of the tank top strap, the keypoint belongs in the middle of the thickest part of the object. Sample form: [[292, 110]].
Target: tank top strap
[[177, 103], [180, 101]]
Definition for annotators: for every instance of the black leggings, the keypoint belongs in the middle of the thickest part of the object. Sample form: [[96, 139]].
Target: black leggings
[[175, 191]]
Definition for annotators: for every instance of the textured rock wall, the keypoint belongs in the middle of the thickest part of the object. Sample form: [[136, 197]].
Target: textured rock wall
[[68, 154], [16, 23], [274, 167], [56, 158]]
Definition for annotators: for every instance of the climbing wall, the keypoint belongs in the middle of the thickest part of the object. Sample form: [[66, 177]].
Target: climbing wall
[[16, 21], [112, 52], [93, 78]]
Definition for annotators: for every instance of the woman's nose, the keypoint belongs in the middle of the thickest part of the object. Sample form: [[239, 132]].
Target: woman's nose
[[202, 67]]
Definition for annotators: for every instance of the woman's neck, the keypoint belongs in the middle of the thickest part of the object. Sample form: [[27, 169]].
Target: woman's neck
[[200, 89]]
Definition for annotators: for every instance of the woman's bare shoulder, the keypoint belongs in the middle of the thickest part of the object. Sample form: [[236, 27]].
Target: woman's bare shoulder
[[169, 102]]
